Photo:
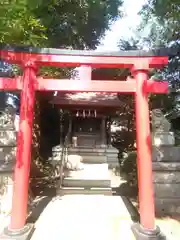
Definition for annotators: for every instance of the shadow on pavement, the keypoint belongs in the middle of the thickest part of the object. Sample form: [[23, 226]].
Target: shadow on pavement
[[128, 195], [40, 205]]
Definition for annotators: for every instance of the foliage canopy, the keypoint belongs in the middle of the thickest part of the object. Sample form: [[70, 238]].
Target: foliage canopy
[[56, 23]]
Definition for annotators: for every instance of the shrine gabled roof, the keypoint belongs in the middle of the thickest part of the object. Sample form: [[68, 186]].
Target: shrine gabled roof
[[87, 98], [132, 53]]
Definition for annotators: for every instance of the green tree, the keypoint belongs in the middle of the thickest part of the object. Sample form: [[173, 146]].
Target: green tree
[[166, 13], [77, 24], [161, 22], [18, 24], [125, 139], [56, 23]]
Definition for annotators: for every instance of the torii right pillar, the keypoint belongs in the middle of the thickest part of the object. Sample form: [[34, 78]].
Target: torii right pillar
[[146, 229]]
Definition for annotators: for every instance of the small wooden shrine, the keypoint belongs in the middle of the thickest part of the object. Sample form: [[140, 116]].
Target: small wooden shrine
[[89, 116]]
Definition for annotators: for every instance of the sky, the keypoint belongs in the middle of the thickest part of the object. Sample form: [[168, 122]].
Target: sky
[[124, 27]]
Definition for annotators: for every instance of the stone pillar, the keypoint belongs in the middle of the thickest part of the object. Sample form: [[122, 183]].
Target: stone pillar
[[161, 134], [103, 131], [109, 134], [70, 129], [61, 127], [166, 166]]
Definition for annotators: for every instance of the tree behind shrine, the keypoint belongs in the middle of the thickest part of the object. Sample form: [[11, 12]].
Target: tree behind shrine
[[77, 24], [161, 19]]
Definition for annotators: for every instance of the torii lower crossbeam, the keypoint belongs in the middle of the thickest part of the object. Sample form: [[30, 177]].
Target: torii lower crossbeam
[[68, 85]]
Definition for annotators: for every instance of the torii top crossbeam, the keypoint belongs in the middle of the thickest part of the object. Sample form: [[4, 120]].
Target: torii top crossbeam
[[142, 60], [60, 57]]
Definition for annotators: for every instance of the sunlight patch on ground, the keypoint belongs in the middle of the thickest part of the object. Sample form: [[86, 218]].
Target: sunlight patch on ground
[[170, 227], [84, 217]]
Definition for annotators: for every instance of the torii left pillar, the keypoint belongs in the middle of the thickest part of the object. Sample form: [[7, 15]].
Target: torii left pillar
[[17, 228]]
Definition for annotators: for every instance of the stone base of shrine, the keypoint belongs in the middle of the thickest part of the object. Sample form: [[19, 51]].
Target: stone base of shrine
[[166, 177], [104, 154], [112, 157], [167, 154], [22, 234], [163, 139]]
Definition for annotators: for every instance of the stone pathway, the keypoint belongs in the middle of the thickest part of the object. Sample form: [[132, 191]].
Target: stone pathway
[[98, 217], [170, 227], [84, 217]]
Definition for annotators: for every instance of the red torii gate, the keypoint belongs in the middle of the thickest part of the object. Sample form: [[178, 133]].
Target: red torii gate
[[139, 62]]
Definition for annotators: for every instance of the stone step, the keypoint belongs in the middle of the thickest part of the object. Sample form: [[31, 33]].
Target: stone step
[[84, 191], [93, 175], [69, 182], [94, 159], [90, 171], [87, 151], [113, 164]]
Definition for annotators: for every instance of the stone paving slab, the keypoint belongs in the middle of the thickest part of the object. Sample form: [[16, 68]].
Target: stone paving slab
[[84, 217], [170, 227], [91, 171], [50, 225]]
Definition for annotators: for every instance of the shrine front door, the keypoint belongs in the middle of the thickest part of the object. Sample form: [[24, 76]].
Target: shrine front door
[[87, 131]]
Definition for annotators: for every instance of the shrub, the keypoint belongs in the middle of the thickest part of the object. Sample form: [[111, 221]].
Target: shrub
[[129, 168]]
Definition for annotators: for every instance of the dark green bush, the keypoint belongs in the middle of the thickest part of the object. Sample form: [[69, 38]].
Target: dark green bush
[[128, 168]]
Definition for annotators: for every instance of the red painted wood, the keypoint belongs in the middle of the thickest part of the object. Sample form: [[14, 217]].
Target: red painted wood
[[106, 77], [85, 73], [66, 85], [156, 87], [10, 84], [77, 61], [23, 154], [144, 155], [85, 86]]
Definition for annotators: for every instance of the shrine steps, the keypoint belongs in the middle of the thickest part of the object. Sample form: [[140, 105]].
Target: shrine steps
[[84, 191], [94, 159], [97, 155], [86, 183], [90, 155], [88, 150], [93, 179]]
